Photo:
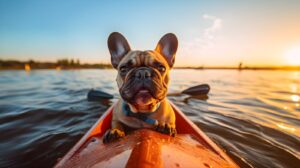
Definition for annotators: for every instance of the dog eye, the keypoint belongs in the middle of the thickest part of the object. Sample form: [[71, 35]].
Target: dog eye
[[123, 69], [161, 68]]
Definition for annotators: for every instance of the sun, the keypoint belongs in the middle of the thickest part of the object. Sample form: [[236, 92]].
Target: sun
[[293, 56]]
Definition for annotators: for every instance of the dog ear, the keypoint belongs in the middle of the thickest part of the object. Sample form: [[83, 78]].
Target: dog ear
[[118, 48], [167, 47]]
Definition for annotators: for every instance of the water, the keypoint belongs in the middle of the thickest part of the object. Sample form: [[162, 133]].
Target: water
[[253, 115]]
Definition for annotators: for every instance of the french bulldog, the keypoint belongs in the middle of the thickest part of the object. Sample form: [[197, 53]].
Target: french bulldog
[[142, 79]]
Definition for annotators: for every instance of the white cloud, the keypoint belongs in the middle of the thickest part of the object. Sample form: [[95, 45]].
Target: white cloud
[[205, 42], [207, 39], [217, 25]]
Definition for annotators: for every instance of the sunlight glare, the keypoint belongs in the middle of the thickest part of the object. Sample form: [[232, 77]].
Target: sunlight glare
[[284, 127], [293, 87], [295, 98], [293, 56]]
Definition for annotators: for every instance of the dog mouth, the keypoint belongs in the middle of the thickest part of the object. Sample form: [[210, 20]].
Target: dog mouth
[[143, 101], [141, 92], [143, 97]]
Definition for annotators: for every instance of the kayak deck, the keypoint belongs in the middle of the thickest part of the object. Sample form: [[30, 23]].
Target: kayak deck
[[146, 148]]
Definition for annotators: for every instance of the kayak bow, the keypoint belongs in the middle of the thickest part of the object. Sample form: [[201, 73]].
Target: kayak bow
[[146, 148]]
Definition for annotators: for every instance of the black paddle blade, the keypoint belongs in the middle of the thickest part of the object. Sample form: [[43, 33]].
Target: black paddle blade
[[202, 89], [96, 95]]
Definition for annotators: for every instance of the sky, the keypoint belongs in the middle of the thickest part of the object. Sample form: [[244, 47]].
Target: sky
[[210, 33]]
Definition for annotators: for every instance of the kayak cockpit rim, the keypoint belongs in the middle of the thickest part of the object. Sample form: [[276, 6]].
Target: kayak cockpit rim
[[99, 128]]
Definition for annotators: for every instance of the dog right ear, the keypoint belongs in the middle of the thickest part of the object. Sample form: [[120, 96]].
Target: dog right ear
[[167, 47], [118, 48]]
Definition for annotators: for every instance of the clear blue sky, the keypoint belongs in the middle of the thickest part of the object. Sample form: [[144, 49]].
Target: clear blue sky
[[210, 32]]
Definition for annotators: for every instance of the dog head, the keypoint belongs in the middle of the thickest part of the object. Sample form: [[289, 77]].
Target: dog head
[[143, 76]]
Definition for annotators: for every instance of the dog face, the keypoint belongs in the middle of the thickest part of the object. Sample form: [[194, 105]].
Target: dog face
[[143, 76]]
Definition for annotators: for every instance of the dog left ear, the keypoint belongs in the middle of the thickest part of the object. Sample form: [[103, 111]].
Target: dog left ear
[[167, 47], [118, 47]]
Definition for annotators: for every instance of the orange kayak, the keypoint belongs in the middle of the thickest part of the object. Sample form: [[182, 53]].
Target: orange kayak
[[147, 148]]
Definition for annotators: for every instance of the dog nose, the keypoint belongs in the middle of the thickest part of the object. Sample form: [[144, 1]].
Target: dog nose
[[143, 73]]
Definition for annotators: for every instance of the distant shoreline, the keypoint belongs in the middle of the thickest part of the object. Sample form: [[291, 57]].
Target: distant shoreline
[[178, 68], [65, 64], [60, 64]]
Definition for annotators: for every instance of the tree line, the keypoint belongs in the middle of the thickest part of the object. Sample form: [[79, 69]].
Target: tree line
[[60, 63]]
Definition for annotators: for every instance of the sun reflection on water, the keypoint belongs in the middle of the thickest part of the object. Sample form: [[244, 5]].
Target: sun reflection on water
[[293, 87], [295, 98], [282, 126]]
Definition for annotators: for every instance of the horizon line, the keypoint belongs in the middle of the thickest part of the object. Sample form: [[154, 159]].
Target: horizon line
[[238, 66]]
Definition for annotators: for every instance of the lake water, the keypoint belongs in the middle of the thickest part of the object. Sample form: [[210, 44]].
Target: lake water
[[253, 115]]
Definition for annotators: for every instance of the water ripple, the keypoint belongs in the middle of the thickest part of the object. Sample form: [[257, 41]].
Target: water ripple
[[252, 116]]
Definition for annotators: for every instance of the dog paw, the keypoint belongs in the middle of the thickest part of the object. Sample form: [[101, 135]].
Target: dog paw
[[166, 129], [112, 135]]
